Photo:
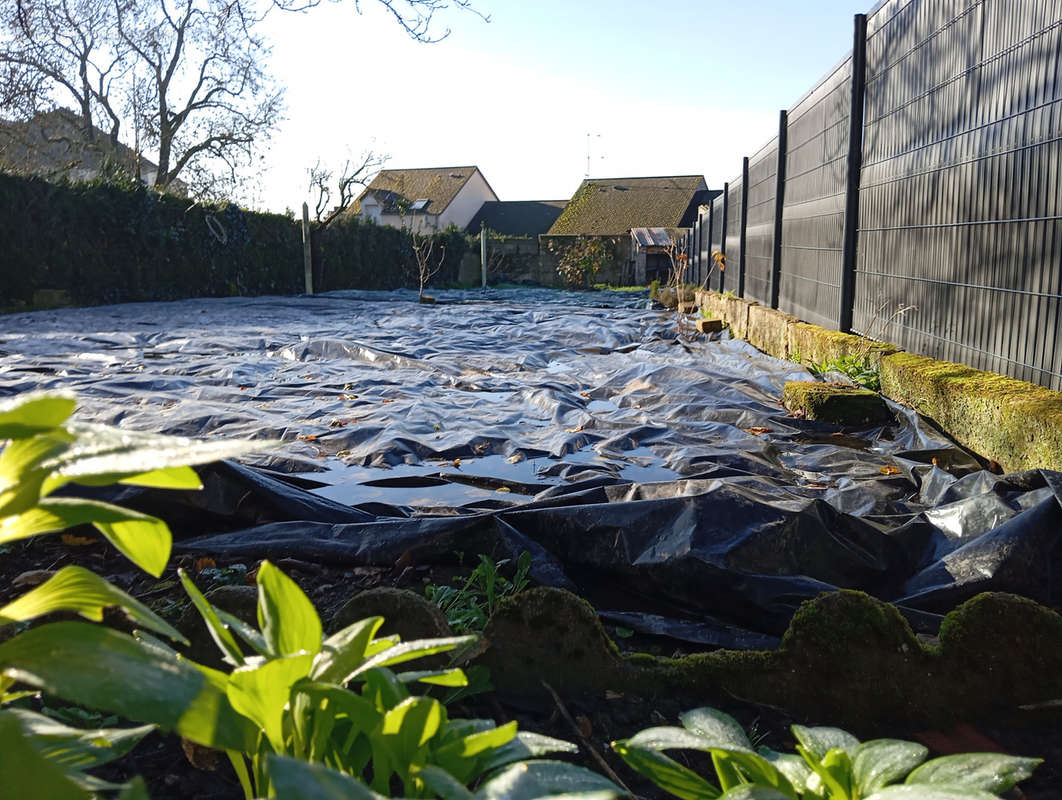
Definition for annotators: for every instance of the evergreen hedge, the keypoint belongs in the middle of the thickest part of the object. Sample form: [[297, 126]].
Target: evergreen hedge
[[110, 243]]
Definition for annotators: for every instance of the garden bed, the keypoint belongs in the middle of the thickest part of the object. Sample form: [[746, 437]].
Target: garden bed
[[652, 472]]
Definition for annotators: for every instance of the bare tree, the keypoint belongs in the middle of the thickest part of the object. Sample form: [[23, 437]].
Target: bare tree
[[427, 267], [58, 52], [345, 183], [416, 17], [205, 95]]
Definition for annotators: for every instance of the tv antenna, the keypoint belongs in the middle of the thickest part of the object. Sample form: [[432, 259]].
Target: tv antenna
[[589, 138]]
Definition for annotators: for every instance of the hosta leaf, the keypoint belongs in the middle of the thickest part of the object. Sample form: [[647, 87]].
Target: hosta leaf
[[246, 632], [136, 790], [286, 616], [438, 677], [930, 793], [750, 792], [668, 738], [116, 453], [879, 762], [443, 784], [992, 772], [218, 632], [297, 780], [261, 692], [527, 745], [409, 725], [168, 478], [407, 651], [342, 652], [719, 729], [23, 456], [26, 773], [74, 748], [83, 592], [531, 780], [144, 540], [31, 413], [819, 741], [107, 670], [666, 773], [796, 771], [475, 743]]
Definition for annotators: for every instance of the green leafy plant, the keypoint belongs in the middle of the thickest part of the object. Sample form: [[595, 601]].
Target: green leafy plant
[[470, 606], [858, 368], [582, 260], [45, 451], [654, 289], [829, 764]]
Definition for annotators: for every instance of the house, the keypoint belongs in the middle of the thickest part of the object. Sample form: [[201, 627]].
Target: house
[[426, 199], [54, 144], [610, 208], [517, 217]]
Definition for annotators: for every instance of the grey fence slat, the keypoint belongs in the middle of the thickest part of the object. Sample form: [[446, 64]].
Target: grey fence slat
[[732, 276], [813, 212], [759, 226], [959, 201], [718, 235]]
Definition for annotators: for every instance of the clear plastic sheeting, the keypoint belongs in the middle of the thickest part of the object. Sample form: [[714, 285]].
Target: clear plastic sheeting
[[650, 470]]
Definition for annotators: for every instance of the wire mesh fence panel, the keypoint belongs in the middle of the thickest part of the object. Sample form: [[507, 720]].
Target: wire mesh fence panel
[[960, 197], [732, 276], [704, 245], [717, 238], [759, 225], [813, 214]]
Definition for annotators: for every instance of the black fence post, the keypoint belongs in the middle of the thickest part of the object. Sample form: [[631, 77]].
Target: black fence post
[[744, 224], [722, 236], [779, 205], [855, 166]]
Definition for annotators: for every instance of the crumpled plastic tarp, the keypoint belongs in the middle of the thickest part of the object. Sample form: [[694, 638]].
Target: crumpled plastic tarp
[[652, 471]]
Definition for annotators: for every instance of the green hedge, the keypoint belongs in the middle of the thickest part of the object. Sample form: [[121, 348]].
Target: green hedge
[[107, 243]]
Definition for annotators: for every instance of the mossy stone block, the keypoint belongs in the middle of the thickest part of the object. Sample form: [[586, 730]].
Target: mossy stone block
[[710, 325], [836, 403], [405, 613], [818, 345], [769, 330], [1016, 424]]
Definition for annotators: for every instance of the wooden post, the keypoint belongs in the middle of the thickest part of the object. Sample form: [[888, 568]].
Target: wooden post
[[307, 254], [483, 255]]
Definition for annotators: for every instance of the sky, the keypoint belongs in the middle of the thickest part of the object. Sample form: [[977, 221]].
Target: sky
[[661, 88]]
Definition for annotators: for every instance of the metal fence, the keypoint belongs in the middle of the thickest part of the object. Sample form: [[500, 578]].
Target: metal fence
[[716, 236], [945, 198]]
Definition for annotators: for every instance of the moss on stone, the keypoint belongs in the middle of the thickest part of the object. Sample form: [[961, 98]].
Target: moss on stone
[[768, 330], [1016, 424], [831, 402], [818, 345], [846, 657]]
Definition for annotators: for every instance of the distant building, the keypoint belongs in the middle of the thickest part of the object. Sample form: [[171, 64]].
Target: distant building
[[517, 217], [611, 208], [54, 144], [424, 200]]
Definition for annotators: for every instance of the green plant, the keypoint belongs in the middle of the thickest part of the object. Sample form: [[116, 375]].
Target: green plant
[[287, 699], [857, 367], [829, 764], [582, 260], [45, 451], [654, 289], [469, 607]]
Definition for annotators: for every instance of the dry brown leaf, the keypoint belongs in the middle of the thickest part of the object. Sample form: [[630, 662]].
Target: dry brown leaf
[[586, 728], [573, 430], [206, 562], [74, 540], [756, 431], [889, 469], [308, 437], [503, 489]]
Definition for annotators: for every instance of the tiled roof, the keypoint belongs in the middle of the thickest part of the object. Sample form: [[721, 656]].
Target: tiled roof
[[54, 144], [517, 217], [437, 185], [611, 206]]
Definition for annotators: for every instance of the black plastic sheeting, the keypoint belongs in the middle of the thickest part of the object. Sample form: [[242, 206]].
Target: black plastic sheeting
[[650, 470]]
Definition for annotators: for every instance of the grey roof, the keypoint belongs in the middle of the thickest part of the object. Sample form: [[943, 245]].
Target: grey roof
[[517, 217], [651, 237]]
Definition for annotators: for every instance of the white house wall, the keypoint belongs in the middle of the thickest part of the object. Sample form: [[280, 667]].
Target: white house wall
[[467, 202]]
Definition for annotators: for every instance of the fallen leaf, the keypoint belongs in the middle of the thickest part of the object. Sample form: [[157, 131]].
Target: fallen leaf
[[584, 394], [756, 431], [206, 562], [388, 400], [308, 437], [611, 695], [889, 469], [586, 728], [338, 423], [818, 486], [515, 459], [33, 577], [504, 489], [573, 430], [77, 541]]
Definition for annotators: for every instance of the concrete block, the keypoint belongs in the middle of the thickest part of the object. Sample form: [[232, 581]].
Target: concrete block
[[830, 402]]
